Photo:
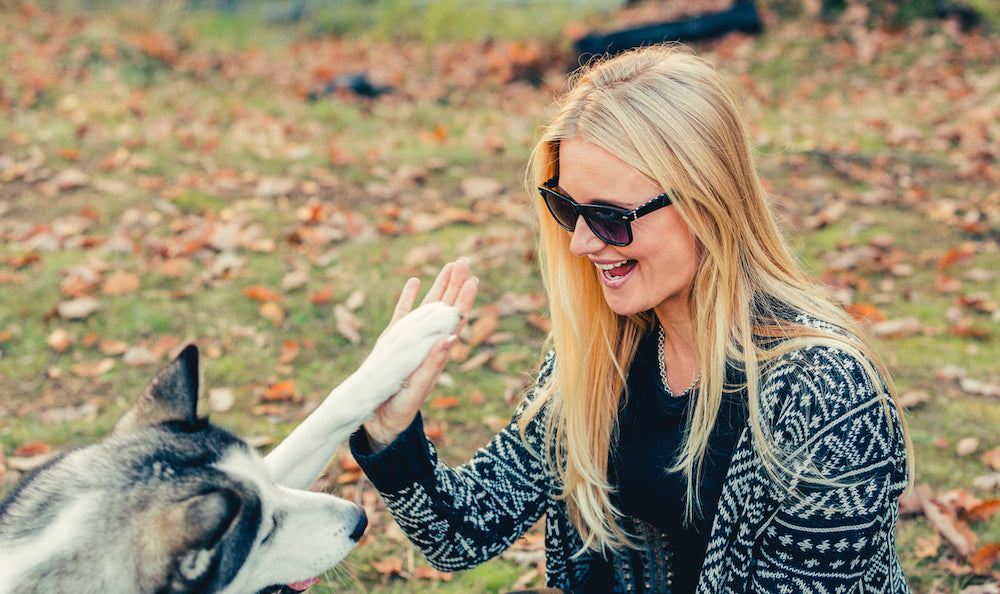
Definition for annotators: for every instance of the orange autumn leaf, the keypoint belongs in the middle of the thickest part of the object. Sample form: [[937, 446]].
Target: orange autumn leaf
[[281, 391], [434, 432], [322, 296], [865, 312], [985, 558], [261, 294], [982, 511], [348, 476], [32, 448], [348, 463], [481, 329], [289, 352], [70, 153], [955, 256], [155, 45], [442, 402], [955, 531], [271, 311]]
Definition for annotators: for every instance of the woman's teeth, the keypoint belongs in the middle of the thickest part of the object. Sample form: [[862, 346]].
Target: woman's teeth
[[615, 269]]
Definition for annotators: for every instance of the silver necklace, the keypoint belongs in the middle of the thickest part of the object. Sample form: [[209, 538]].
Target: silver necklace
[[663, 370]]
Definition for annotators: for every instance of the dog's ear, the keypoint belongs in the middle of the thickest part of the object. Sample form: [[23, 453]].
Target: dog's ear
[[193, 534], [171, 396]]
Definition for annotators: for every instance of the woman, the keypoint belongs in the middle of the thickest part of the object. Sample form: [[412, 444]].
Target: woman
[[707, 420]]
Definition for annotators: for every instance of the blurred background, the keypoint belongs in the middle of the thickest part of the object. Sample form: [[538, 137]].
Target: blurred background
[[260, 178]]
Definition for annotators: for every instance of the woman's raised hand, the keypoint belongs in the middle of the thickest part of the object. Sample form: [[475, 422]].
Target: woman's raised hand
[[453, 286]]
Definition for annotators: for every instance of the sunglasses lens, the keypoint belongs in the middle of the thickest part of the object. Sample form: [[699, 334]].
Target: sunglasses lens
[[562, 209], [608, 226]]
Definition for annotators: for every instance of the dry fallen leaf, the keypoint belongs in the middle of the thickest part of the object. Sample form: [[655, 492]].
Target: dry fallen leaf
[[271, 311], [221, 400], [987, 482], [261, 294], [322, 296], [78, 309], [137, 356], [59, 340], [355, 300], [93, 368], [985, 558], [348, 325], [120, 283], [112, 347], [914, 399], [441, 402], [429, 573], [955, 531], [390, 566], [981, 511], [289, 352], [927, 546], [539, 321], [896, 328], [967, 446], [348, 463], [481, 329], [992, 458], [32, 448], [281, 391]]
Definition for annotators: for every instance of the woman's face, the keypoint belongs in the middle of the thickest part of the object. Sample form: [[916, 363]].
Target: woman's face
[[656, 270]]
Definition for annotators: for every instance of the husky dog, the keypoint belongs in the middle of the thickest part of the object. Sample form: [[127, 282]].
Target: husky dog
[[169, 503]]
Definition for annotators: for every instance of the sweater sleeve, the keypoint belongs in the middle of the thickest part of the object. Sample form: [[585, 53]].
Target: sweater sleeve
[[461, 517], [835, 537]]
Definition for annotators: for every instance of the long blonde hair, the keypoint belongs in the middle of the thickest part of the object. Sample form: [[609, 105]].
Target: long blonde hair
[[674, 118]]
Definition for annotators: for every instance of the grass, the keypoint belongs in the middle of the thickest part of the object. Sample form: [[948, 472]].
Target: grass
[[173, 150]]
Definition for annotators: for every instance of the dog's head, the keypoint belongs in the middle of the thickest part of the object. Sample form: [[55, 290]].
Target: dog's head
[[170, 503]]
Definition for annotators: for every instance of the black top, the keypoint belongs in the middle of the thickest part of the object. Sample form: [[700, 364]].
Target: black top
[[652, 427]]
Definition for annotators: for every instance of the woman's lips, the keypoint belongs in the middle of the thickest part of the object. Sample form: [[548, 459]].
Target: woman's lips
[[614, 274]]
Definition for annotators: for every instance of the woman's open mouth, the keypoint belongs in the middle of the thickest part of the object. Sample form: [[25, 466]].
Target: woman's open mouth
[[614, 273]]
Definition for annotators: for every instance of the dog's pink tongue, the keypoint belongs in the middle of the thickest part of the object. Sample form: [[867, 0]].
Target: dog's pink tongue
[[303, 586]]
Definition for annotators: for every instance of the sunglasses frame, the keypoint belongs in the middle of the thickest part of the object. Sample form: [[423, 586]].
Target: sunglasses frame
[[618, 214]]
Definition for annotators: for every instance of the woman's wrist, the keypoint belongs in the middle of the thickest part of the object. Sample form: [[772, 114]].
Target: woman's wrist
[[378, 437]]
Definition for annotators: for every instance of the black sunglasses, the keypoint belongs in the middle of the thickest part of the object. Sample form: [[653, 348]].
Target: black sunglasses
[[610, 224]]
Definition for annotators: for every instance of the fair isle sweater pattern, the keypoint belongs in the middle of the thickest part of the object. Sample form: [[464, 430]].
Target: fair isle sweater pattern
[[820, 405]]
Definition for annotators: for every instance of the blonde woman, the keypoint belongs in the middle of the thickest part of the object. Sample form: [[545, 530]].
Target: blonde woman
[[706, 420]]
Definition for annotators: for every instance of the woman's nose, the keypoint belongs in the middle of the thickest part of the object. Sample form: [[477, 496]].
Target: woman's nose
[[584, 242]]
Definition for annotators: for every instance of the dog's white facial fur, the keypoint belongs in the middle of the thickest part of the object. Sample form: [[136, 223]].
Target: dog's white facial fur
[[237, 526], [302, 534]]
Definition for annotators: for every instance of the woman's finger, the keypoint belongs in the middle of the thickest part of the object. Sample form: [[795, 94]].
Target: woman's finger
[[406, 299], [440, 283], [456, 280], [464, 299]]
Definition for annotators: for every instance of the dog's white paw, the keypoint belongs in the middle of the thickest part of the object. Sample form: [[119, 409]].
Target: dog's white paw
[[406, 344]]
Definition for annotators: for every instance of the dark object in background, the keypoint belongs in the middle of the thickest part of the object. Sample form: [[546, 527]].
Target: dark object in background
[[355, 84], [741, 17]]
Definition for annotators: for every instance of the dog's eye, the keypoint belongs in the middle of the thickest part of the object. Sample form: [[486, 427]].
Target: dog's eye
[[275, 521]]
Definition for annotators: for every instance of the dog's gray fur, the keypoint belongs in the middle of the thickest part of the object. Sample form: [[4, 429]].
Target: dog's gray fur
[[169, 503]]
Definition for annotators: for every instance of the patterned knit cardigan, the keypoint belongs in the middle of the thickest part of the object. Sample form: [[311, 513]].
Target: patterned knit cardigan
[[833, 539]]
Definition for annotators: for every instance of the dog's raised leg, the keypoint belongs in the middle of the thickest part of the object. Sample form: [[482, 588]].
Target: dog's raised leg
[[299, 459]]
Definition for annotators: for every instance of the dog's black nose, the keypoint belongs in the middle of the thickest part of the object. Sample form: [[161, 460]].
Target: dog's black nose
[[359, 528]]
